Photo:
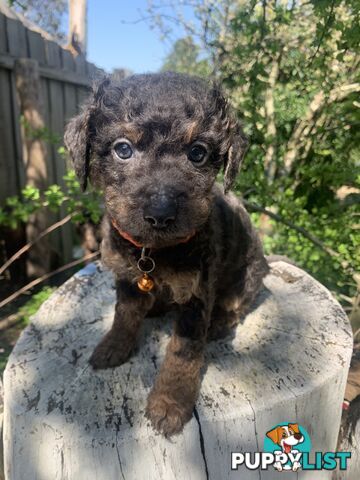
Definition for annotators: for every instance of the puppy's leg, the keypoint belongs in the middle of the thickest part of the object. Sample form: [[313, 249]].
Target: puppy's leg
[[172, 399], [235, 302], [131, 307], [222, 323]]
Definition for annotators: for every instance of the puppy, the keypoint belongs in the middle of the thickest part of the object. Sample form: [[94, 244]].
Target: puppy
[[154, 144], [287, 437]]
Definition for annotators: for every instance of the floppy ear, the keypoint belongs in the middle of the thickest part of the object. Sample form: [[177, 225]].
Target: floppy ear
[[234, 156], [77, 142], [78, 130], [274, 435], [295, 427]]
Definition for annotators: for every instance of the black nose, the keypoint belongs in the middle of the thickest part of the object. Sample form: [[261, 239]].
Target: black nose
[[161, 210], [298, 436]]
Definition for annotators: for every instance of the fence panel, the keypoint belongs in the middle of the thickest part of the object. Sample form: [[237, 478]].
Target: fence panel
[[64, 83]]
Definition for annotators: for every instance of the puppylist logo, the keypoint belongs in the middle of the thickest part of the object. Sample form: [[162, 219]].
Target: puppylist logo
[[287, 448]]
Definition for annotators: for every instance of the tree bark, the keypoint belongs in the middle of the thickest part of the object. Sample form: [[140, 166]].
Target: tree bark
[[77, 38], [288, 361], [34, 154]]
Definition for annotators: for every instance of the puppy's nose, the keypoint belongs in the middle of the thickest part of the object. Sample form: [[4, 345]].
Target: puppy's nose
[[161, 211], [298, 436]]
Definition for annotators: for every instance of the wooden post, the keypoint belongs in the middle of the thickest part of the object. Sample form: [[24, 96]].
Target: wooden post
[[34, 155], [287, 362]]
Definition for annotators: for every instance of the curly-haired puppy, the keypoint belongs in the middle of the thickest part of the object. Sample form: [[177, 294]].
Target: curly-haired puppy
[[154, 145]]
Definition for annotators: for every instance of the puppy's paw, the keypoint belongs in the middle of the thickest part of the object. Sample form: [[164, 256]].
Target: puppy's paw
[[167, 415], [110, 352], [219, 332]]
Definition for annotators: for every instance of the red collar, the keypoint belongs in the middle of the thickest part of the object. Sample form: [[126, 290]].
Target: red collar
[[129, 238]]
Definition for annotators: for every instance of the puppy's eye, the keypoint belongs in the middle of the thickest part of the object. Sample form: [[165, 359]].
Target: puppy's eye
[[198, 154], [123, 150]]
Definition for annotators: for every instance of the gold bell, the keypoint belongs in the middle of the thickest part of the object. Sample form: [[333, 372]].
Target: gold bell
[[146, 283]]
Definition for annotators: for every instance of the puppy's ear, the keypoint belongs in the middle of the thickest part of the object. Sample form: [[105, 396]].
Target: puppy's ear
[[234, 155], [295, 427], [274, 435], [77, 142], [79, 130]]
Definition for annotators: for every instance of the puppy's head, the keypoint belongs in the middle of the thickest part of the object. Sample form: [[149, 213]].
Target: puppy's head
[[154, 144], [286, 436]]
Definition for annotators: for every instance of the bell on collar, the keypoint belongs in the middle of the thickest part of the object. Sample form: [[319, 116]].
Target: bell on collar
[[146, 283]]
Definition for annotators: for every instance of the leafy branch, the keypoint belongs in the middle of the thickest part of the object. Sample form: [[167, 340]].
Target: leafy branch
[[80, 206]]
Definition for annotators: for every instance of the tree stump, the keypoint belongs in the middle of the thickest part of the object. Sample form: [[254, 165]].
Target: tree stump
[[287, 362]]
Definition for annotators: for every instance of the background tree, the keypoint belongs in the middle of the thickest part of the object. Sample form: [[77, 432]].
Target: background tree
[[291, 70], [185, 57], [48, 15], [77, 36]]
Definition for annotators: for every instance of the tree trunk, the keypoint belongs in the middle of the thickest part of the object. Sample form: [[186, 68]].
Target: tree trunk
[[78, 26], [288, 361], [34, 154]]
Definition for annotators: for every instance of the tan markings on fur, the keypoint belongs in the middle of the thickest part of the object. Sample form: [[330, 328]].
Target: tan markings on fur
[[232, 304], [183, 286], [131, 132], [191, 132]]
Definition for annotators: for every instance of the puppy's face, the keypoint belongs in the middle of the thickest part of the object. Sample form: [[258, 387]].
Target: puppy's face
[[286, 436], [154, 144]]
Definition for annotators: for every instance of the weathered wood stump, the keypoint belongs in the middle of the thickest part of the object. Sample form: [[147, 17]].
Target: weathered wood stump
[[288, 361]]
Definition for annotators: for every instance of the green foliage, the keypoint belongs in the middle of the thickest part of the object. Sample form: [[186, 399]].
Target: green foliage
[[295, 102], [18, 209], [33, 304], [42, 133], [184, 57], [82, 206], [291, 70]]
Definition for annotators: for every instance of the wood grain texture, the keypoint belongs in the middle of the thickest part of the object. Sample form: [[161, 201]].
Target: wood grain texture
[[53, 55], [350, 442], [36, 47], [35, 152], [287, 361], [57, 124], [3, 39], [16, 38], [9, 180], [65, 81]]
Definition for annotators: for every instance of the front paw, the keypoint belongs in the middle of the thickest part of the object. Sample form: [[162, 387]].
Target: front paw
[[167, 415], [110, 352]]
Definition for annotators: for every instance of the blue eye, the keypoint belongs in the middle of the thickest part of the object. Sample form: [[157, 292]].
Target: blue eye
[[123, 150], [198, 154]]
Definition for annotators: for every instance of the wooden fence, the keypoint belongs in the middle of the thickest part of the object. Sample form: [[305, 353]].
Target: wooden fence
[[63, 82]]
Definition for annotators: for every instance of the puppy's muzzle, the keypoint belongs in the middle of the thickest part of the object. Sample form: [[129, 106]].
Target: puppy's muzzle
[[161, 210]]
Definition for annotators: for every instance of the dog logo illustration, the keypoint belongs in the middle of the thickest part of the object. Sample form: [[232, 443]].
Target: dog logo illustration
[[287, 437], [287, 448]]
